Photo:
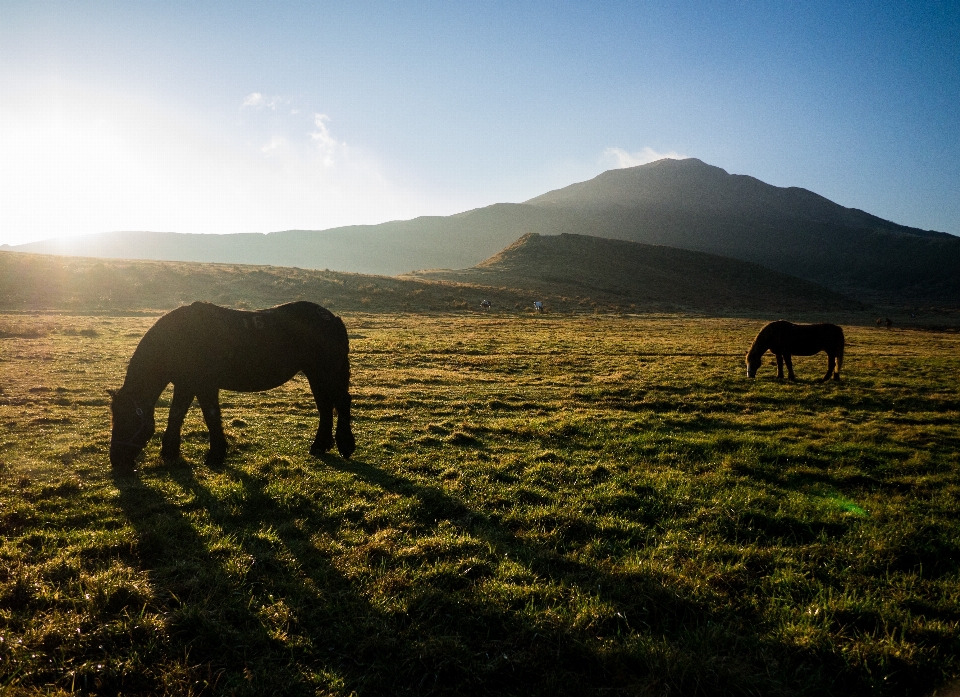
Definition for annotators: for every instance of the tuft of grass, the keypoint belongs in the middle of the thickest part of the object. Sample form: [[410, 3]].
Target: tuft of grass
[[538, 505]]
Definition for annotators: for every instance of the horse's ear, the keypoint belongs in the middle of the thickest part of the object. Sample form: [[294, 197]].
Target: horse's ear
[[112, 393]]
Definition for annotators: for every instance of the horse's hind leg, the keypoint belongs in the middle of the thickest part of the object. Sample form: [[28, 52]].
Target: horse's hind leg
[[210, 405], [324, 439], [179, 406], [779, 366], [831, 364], [346, 443]]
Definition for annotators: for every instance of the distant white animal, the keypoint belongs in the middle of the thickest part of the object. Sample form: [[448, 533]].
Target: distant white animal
[[485, 304], [538, 306]]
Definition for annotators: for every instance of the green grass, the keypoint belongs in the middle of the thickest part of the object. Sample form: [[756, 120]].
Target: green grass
[[537, 505]]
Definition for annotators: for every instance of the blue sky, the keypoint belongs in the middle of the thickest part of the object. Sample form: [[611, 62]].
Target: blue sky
[[254, 117]]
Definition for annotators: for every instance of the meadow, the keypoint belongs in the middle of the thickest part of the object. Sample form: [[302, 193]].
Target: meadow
[[538, 505]]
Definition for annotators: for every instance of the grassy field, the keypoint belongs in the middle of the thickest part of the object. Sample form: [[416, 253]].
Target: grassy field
[[538, 505]]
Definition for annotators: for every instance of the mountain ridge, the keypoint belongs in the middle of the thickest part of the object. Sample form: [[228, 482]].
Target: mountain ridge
[[649, 189]]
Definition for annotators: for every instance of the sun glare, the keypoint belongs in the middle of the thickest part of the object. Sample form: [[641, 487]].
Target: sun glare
[[82, 162]]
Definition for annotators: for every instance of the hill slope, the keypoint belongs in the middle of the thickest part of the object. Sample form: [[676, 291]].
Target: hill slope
[[679, 203], [32, 282], [644, 276]]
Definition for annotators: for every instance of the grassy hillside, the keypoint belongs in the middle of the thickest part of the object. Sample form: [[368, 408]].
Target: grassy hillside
[[538, 506], [678, 203], [30, 282], [650, 276]]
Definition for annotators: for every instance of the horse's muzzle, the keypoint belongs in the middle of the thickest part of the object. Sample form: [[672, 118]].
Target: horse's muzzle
[[123, 457]]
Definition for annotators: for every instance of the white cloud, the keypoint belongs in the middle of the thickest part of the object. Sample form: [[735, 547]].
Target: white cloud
[[622, 158], [326, 143], [256, 100], [275, 144]]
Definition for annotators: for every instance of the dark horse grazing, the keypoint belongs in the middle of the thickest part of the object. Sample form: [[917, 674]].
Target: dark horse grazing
[[785, 339], [202, 349]]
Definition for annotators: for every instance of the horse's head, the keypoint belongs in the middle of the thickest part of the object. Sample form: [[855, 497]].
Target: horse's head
[[133, 427], [753, 364]]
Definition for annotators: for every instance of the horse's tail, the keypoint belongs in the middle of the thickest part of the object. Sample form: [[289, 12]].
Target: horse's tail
[[346, 443], [342, 339], [843, 342]]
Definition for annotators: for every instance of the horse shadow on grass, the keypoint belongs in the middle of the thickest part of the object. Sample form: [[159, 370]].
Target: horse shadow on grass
[[217, 613]]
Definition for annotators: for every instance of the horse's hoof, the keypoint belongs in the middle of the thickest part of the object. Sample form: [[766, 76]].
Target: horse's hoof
[[346, 444], [317, 451], [212, 460]]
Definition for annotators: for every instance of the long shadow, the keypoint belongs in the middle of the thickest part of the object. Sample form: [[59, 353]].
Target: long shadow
[[212, 614]]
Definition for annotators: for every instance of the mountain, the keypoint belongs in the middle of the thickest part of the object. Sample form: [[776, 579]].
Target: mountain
[[679, 203], [645, 276], [692, 187], [693, 205]]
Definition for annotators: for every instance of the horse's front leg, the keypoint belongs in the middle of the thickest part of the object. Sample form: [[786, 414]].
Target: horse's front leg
[[210, 405], [324, 438], [179, 406], [831, 364], [779, 366], [789, 361]]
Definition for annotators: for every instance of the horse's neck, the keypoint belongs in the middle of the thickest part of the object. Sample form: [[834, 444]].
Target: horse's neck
[[143, 381], [760, 346]]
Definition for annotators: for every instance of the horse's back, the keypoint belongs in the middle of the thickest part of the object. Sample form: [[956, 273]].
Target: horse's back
[[784, 337], [202, 318], [244, 350], [809, 339]]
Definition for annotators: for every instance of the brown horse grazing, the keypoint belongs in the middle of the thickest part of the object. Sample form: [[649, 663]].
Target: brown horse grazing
[[785, 339], [202, 349]]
